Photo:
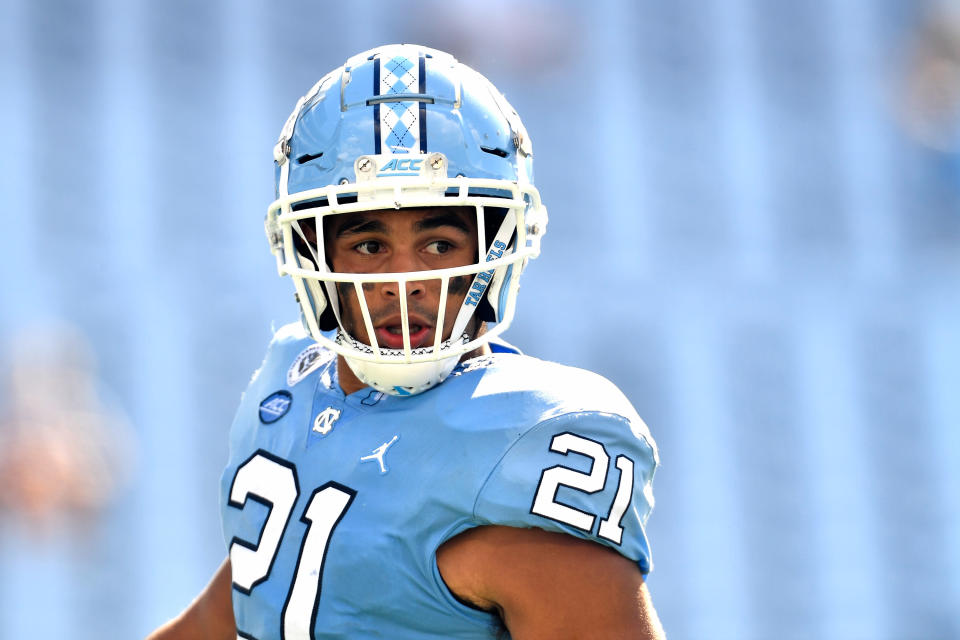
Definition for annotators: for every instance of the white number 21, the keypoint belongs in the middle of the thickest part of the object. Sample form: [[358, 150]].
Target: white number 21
[[545, 502], [272, 482]]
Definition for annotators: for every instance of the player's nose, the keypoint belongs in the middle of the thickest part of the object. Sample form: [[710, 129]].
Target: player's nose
[[404, 262], [392, 289]]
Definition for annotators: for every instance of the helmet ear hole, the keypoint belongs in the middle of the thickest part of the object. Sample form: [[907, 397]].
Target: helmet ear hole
[[327, 320], [318, 301], [492, 219], [485, 311]]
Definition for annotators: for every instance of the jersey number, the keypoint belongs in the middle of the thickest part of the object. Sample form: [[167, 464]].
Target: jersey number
[[545, 502], [272, 482]]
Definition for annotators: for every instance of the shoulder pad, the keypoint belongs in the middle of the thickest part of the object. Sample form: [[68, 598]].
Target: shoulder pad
[[582, 474]]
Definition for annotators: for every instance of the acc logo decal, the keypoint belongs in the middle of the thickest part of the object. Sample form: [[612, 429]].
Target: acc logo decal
[[325, 420], [307, 362], [275, 406], [401, 167]]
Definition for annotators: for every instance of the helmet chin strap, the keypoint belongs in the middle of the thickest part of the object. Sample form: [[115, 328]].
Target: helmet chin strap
[[481, 281], [399, 378]]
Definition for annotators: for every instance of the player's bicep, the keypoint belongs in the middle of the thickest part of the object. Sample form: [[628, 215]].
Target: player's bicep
[[550, 585]]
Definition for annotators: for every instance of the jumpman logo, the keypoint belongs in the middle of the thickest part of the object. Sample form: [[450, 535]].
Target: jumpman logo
[[378, 454]]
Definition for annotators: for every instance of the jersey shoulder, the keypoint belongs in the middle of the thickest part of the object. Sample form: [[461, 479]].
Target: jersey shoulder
[[540, 390], [580, 460], [291, 356]]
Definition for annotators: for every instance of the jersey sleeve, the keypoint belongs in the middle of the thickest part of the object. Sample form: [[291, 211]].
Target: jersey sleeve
[[588, 474]]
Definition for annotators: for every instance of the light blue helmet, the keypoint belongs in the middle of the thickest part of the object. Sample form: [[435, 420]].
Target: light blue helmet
[[395, 127]]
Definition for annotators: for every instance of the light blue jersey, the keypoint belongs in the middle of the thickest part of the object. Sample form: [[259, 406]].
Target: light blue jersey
[[334, 506]]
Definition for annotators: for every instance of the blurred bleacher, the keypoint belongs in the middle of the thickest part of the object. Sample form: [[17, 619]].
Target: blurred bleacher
[[747, 234]]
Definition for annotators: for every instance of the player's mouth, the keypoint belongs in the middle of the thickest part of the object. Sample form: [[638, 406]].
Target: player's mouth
[[390, 333]]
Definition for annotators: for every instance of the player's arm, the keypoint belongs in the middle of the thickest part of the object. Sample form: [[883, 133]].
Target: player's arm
[[549, 585], [209, 616]]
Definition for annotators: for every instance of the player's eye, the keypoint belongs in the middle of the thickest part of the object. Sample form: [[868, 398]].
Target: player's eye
[[369, 247], [439, 247]]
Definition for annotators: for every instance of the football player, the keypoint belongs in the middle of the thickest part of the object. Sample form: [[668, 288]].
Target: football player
[[397, 470]]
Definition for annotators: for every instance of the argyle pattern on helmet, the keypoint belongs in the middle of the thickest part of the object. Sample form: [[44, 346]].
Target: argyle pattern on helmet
[[399, 129]]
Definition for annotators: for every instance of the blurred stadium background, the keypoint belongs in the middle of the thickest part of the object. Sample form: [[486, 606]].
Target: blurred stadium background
[[755, 232]]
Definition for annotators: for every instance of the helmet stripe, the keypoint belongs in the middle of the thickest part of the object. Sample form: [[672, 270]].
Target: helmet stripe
[[399, 128], [376, 107], [423, 103]]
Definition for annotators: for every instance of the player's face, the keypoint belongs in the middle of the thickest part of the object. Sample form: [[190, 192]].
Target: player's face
[[399, 241]]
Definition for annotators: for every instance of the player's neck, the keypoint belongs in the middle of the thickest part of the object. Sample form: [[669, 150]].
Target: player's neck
[[349, 381]]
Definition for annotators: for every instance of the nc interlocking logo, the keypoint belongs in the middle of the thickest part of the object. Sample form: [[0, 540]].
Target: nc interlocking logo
[[325, 420]]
